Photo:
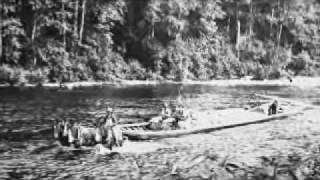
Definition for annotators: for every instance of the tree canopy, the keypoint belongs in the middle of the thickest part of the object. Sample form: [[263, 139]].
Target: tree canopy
[[78, 40]]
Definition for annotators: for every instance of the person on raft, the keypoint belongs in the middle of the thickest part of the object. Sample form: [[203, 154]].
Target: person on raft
[[274, 108], [166, 111], [179, 119], [160, 121], [183, 118]]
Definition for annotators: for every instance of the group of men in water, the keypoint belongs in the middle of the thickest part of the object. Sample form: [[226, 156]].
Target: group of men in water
[[107, 130]]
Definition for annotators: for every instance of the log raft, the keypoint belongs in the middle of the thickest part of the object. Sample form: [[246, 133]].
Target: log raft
[[143, 133]]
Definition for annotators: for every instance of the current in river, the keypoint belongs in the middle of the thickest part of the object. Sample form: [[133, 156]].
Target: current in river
[[28, 151]]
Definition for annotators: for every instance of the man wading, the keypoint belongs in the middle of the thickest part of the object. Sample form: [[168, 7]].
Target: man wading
[[109, 119], [108, 124]]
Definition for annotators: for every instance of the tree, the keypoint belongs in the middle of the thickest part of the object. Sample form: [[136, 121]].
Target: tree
[[12, 33], [1, 25], [174, 39], [83, 11]]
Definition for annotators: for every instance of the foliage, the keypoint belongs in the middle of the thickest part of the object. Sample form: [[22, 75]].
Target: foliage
[[79, 40], [274, 73], [37, 76], [12, 75], [259, 72], [12, 38], [136, 71], [299, 63]]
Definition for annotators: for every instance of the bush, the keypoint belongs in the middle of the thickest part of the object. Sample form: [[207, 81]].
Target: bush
[[274, 73], [255, 53], [136, 71], [103, 76], [12, 75], [38, 76], [116, 66], [81, 72], [150, 75], [217, 68], [80, 68], [299, 63], [259, 73], [314, 70], [5, 73], [197, 67], [111, 67]]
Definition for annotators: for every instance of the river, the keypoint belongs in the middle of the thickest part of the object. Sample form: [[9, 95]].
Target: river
[[28, 151]]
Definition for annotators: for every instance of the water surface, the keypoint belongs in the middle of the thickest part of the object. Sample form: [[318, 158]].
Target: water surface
[[27, 150]]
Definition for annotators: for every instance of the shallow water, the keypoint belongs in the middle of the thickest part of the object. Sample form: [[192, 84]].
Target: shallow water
[[27, 150]]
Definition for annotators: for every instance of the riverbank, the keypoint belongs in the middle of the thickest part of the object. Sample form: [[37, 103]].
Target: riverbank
[[299, 81]]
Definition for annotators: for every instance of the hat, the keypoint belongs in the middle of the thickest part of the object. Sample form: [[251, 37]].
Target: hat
[[275, 101], [109, 109]]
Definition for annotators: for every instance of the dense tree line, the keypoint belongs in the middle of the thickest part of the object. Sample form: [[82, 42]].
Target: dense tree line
[[79, 40]]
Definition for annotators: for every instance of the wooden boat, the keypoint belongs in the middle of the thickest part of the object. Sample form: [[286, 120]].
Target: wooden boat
[[228, 119]]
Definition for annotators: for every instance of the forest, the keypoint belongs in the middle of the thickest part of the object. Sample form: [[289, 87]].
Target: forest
[[106, 40]]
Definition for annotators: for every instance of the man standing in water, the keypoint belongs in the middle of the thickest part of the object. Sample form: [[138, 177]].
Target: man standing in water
[[108, 128], [108, 119]]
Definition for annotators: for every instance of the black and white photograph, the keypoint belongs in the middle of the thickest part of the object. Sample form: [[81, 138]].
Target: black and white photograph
[[159, 89]]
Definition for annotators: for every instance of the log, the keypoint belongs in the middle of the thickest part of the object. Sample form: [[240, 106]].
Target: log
[[147, 135], [134, 125]]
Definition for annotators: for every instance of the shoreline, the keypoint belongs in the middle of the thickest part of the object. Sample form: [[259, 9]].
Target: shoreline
[[299, 81]]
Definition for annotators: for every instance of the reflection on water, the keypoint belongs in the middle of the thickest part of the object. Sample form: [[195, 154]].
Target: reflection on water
[[27, 150]]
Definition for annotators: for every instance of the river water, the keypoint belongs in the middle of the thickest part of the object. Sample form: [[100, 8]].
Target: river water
[[28, 151]]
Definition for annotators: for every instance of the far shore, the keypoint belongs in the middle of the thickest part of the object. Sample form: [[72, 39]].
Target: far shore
[[298, 81]]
